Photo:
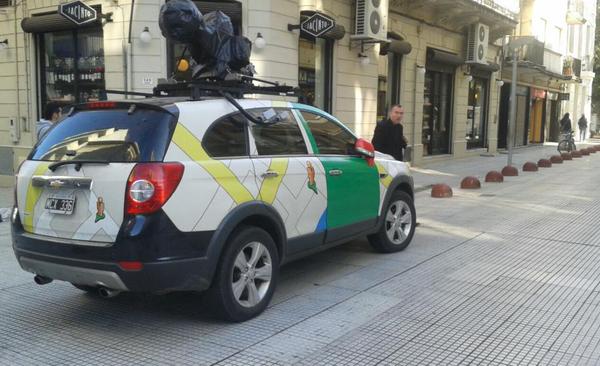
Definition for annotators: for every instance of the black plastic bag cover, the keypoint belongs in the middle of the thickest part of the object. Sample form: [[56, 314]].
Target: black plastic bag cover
[[180, 20], [210, 38]]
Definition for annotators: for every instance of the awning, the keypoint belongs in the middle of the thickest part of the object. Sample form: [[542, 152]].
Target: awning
[[55, 22], [336, 33], [485, 67], [443, 57], [232, 9], [395, 46]]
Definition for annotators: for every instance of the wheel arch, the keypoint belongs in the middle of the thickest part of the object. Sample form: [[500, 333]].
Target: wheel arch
[[403, 183], [255, 213]]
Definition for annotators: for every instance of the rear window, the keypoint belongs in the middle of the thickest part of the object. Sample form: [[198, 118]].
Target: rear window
[[108, 135]]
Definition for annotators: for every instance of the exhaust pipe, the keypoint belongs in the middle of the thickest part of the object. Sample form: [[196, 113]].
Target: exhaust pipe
[[41, 280], [107, 293]]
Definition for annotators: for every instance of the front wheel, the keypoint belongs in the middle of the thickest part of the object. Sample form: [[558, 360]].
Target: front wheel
[[246, 276], [399, 222], [564, 146]]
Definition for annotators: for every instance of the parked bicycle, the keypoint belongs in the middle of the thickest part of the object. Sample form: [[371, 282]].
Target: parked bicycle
[[566, 143]]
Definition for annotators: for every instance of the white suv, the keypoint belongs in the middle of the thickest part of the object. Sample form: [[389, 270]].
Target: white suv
[[169, 194]]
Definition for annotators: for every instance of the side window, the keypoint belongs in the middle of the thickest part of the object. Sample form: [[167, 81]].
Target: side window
[[330, 137], [226, 137], [281, 138]]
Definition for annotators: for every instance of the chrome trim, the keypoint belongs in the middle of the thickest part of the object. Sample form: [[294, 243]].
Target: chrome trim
[[87, 243], [61, 182], [77, 275]]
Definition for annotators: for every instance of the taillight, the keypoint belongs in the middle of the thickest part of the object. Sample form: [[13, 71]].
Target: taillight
[[150, 185], [101, 105]]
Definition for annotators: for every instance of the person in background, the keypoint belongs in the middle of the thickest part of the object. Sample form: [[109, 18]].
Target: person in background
[[565, 124], [389, 134], [583, 124], [52, 113]]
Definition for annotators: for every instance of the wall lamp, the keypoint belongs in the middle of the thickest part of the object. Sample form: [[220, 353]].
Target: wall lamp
[[468, 78], [260, 42], [364, 58], [499, 83], [421, 69], [4, 44], [146, 36]]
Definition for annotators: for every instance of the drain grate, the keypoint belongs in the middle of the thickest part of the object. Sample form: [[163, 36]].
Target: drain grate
[[487, 195]]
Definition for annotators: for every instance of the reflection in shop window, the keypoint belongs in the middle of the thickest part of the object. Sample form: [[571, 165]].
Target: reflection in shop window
[[388, 89], [72, 64], [314, 72]]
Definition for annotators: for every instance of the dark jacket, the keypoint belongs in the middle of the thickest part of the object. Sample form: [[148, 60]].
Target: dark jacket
[[389, 139], [582, 123], [565, 125]]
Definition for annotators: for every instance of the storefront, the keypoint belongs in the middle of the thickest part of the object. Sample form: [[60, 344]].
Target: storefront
[[537, 116], [479, 105], [521, 128], [70, 64]]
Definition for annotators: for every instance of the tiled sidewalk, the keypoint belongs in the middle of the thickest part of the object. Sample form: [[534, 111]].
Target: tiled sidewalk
[[506, 275]]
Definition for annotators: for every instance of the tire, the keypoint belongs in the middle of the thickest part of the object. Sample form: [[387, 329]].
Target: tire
[[389, 239], [564, 146], [254, 288]]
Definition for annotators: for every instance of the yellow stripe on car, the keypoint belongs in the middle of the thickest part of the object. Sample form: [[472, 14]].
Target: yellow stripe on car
[[270, 185], [387, 180], [32, 197], [187, 142]]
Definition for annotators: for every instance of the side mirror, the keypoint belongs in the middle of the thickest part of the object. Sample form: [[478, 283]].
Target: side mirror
[[365, 149]]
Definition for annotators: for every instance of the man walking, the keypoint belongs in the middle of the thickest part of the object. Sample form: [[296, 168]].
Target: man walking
[[52, 113], [583, 124], [389, 134]]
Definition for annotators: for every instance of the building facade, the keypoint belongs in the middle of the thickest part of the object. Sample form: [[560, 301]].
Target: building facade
[[554, 70], [425, 56]]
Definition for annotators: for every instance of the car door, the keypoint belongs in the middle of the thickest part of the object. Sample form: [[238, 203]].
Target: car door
[[352, 185], [290, 178]]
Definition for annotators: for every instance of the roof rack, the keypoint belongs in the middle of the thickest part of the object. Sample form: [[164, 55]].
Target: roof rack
[[237, 87]]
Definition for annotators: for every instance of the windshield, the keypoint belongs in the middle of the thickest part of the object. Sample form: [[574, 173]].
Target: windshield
[[108, 135]]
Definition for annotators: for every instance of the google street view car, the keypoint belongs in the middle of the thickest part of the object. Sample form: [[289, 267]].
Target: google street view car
[[198, 188]]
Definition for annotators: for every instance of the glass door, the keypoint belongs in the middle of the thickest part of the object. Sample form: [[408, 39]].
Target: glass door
[[437, 113], [477, 113]]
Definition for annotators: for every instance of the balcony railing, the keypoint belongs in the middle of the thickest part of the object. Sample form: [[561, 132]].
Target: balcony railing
[[491, 4], [532, 52]]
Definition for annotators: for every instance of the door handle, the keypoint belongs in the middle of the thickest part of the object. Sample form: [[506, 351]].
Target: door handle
[[335, 172], [269, 174]]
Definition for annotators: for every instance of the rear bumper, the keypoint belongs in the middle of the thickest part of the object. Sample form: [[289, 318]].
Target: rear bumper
[[163, 276], [172, 260]]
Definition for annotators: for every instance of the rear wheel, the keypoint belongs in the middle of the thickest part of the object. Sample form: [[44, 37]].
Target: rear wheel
[[246, 276], [398, 226]]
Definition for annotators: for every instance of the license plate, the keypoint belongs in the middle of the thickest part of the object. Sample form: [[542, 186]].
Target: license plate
[[62, 205]]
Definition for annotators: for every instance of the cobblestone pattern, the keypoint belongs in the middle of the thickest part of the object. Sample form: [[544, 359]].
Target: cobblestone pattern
[[508, 275]]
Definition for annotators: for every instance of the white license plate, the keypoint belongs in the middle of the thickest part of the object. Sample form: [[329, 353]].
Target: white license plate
[[61, 204]]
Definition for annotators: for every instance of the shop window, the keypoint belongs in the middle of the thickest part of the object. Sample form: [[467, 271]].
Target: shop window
[[477, 113], [176, 51], [329, 136], [5, 3], [437, 112], [315, 65], [388, 90], [226, 137], [72, 66]]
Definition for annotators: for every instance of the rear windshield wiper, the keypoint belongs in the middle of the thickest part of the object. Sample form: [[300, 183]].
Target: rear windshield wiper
[[78, 163]]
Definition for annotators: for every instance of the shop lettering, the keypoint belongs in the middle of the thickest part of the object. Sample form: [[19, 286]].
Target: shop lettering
[[78, 12], [317, 24]]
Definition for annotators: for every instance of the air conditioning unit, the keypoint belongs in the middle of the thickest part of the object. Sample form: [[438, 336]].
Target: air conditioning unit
[[371, 20], [477, 43]]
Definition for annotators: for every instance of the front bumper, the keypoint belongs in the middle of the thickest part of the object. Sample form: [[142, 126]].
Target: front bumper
[[172, 260]]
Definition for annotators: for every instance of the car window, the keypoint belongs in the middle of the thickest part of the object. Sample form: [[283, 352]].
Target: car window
[[329, 136], [113, 135], [226, 137], [281, 138]]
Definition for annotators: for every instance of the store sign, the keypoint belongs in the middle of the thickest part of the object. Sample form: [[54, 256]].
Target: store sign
[[563, 96], [317, 24], [78, 12]]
